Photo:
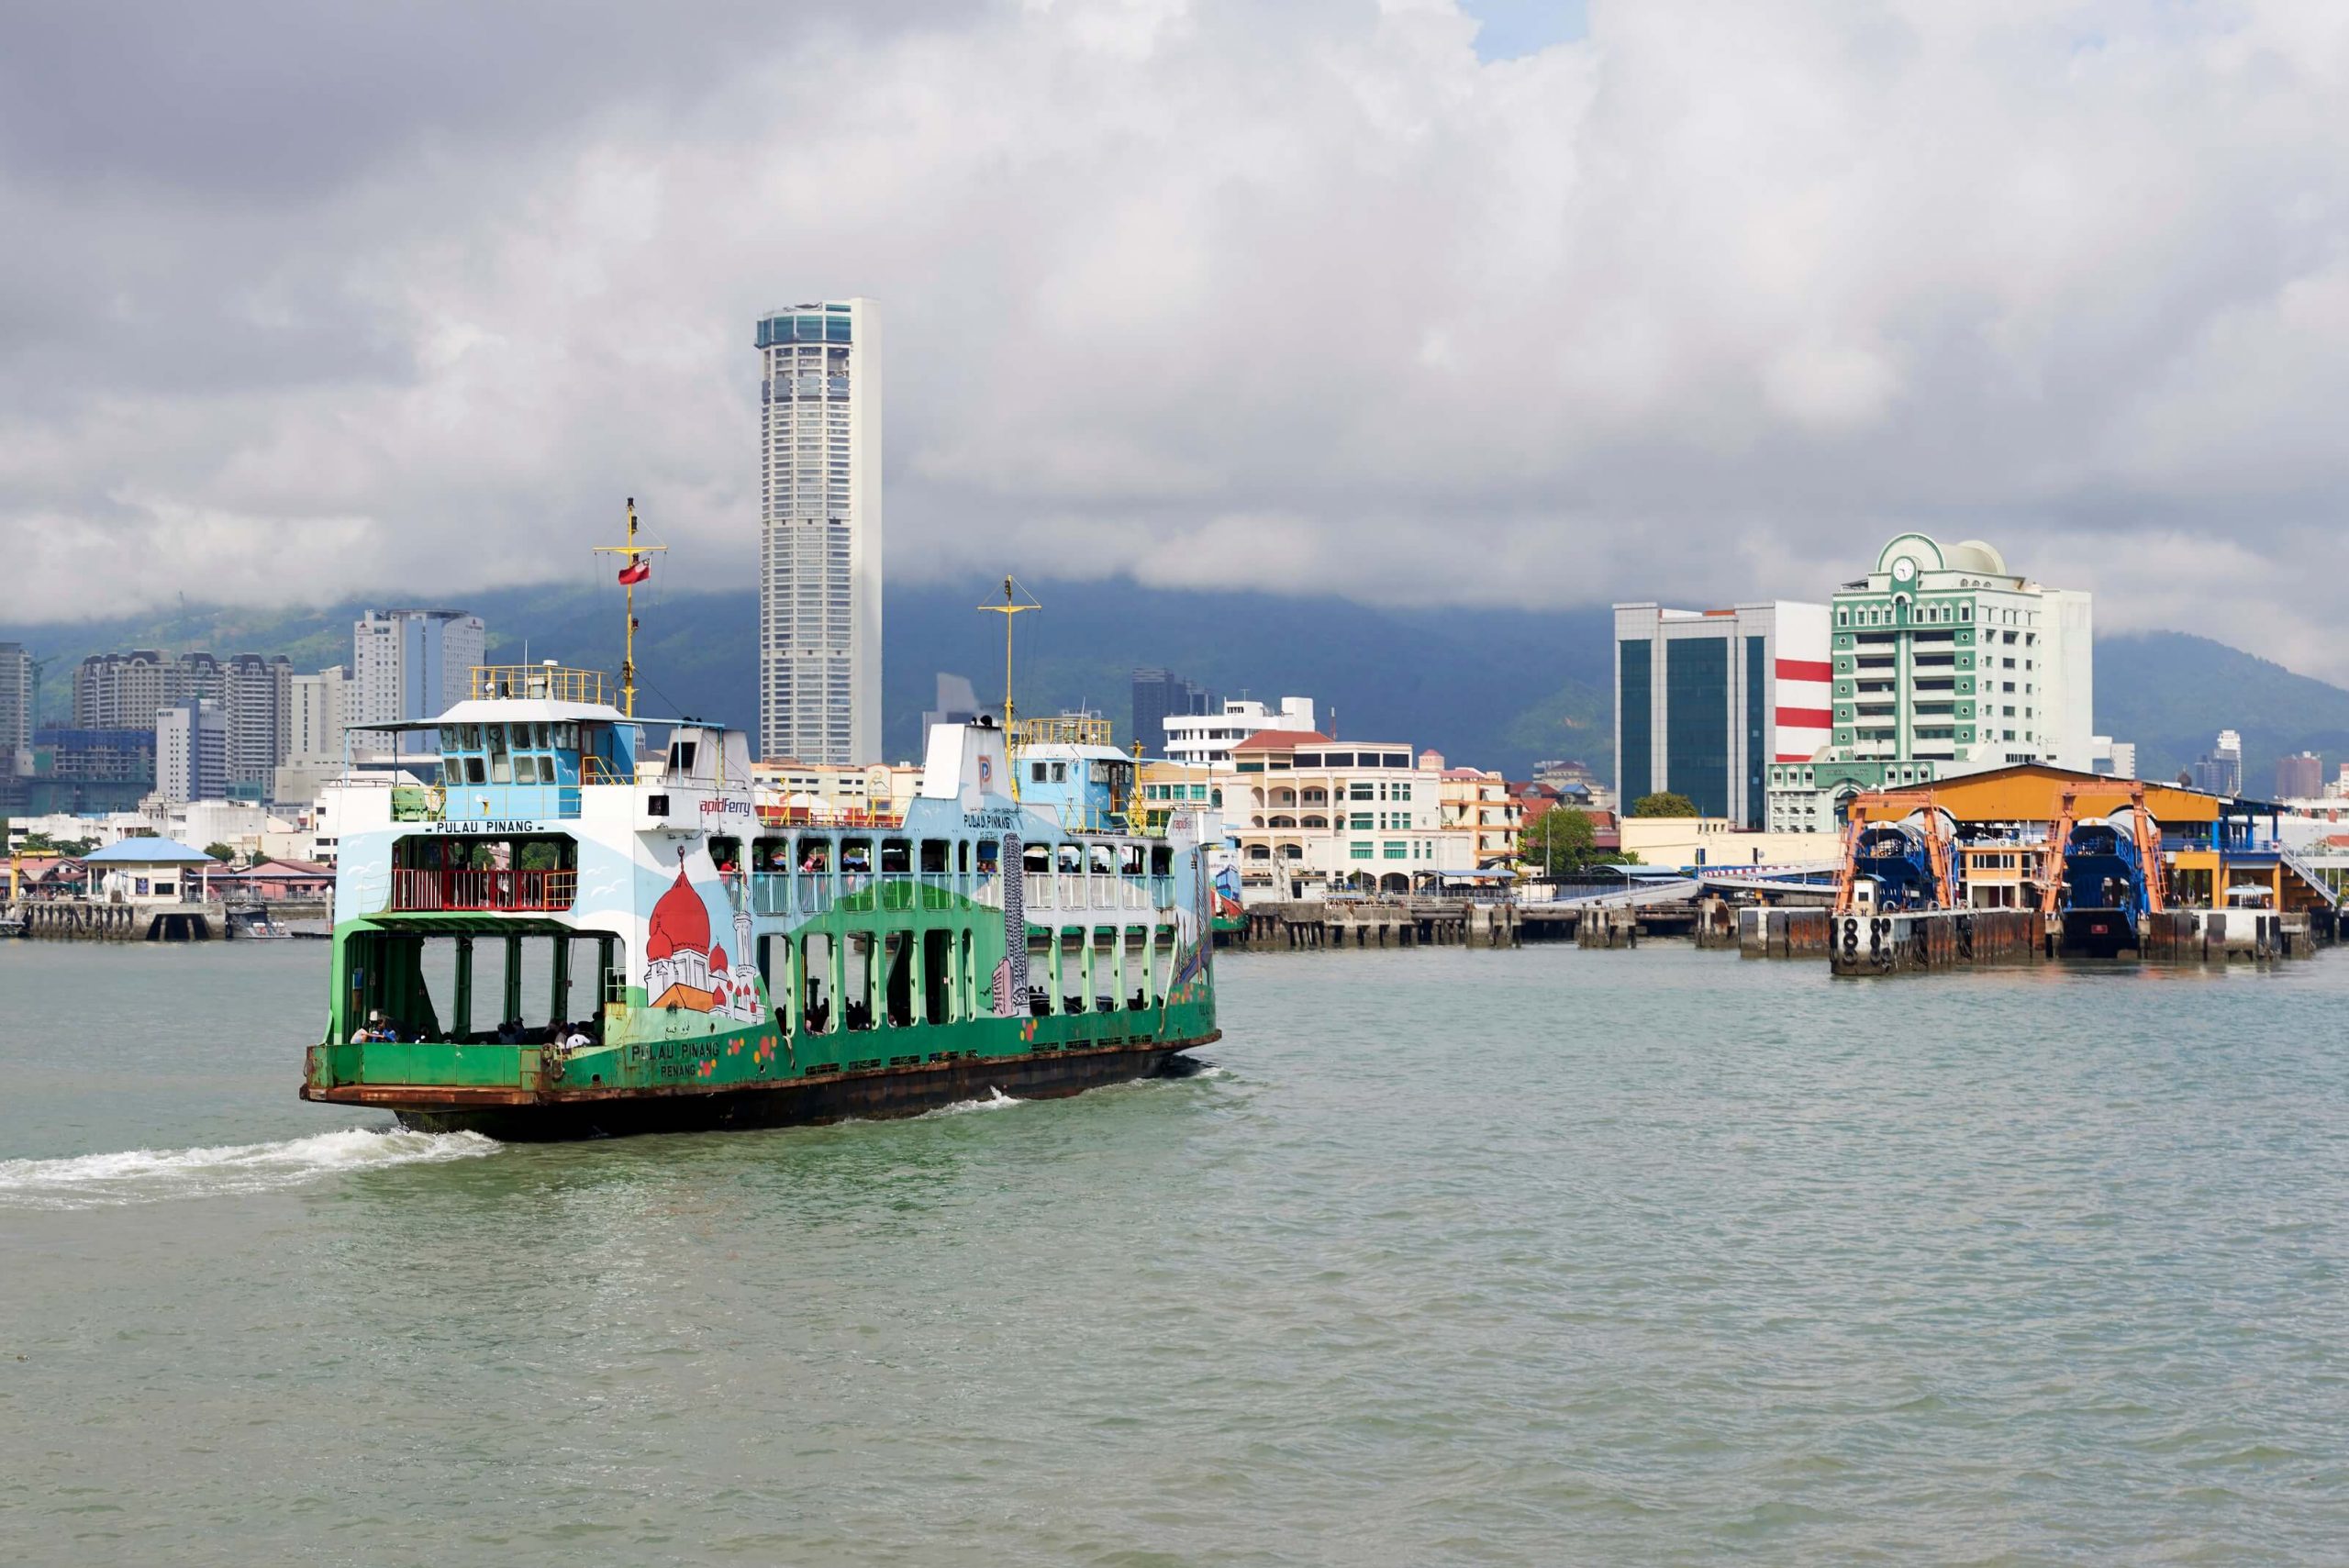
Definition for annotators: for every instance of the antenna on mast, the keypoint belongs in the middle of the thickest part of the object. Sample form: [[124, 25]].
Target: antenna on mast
[[634, 569], [1012, 605]]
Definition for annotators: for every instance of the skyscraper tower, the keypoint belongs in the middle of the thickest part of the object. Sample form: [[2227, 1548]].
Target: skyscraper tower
[[819, 533]]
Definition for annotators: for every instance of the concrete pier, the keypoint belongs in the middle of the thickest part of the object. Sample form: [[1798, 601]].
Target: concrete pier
[[1366, 923], [76, 919], [1949, 939], [1782, 933]]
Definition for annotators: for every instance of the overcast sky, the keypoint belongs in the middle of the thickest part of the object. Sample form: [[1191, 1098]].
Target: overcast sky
[[1646, 299]]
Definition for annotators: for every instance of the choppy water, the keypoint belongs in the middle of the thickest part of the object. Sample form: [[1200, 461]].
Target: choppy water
[[1515, 1257]]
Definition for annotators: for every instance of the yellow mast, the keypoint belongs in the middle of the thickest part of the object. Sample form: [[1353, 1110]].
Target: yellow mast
[[633, 550], [1010, 606]]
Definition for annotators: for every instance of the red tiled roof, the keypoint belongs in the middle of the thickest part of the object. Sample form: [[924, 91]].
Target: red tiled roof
[[1283, 741]]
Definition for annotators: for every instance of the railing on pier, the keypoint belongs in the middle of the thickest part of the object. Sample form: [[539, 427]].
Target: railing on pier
[[428, 889]]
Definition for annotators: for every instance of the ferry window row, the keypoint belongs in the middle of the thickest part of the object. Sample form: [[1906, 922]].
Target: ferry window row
[[504, 753], [863, 980]]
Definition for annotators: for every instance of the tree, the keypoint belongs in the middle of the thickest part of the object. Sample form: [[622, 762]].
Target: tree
[[1560, 840], [1663, 803], [220, 851]]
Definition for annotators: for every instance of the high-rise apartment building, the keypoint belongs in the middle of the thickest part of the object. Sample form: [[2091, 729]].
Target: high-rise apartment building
[[1945, 662], [190, 750], [1159, 695], [125, 691], [1705, 700], [16, 703], [819, 533], [412, 664], [253, 695], [317, 709], [2220, 770], [2301, 777]]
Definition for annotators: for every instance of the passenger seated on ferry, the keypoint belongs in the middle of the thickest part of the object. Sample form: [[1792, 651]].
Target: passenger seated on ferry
[[577, 1039], [1073, 1003], [1140, 1002]]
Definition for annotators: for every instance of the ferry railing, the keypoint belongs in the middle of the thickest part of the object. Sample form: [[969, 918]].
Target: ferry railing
[[1038, 889], [424, 889], [987, 891], [937, 889], [899, 890], [1162, 893], [812, 891], [771, 893], [854, 882], [1101, 891]]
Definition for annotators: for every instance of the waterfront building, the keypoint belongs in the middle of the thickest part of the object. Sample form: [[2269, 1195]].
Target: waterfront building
[[1211, 737], [190, 750], [412, 664], [1478, 812], [2113, 759], [2301, 777], [151, 871], [1160, 693], [1945, 662], [819, 532], [1716, 843], [1308, 814], [1706, 700]]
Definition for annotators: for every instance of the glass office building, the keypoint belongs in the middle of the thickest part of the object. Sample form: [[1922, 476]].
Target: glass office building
[[1705, 700]]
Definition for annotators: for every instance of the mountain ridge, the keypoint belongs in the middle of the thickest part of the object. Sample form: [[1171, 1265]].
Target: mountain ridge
[[1490, 688]]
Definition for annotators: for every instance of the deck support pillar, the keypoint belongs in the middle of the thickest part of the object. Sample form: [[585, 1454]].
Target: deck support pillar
[[513, 979]]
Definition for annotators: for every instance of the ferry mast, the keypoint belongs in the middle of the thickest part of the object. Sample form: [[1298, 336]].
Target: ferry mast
[[635, 569], [1011, 606]]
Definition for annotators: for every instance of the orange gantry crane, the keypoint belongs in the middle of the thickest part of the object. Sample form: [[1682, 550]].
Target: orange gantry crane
[[1896, 804], [2145, 833]]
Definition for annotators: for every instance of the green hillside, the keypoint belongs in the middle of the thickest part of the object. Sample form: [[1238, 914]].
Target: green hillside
[[1494, 688], [2172, 693]]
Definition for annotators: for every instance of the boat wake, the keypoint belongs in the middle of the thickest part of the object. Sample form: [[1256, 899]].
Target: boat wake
[[152, 1176], [996, 1100]]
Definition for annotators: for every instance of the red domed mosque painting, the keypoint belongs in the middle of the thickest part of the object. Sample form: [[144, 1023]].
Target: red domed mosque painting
[[683, 969]]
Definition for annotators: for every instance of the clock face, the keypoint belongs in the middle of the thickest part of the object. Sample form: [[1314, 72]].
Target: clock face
[[1904, 569]]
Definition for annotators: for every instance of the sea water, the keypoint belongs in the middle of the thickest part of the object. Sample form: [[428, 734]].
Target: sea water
[[1534, 1257]]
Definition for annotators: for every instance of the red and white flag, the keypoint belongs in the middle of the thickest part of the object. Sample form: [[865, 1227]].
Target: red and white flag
[[638, 569]]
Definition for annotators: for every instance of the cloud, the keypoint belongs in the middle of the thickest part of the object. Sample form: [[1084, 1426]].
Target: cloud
[[1699, 305]]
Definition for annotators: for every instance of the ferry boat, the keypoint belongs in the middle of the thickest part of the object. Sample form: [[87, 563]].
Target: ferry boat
[[582, 933]]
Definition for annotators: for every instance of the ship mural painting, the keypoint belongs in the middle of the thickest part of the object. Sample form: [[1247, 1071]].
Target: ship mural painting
[[580, 932]]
